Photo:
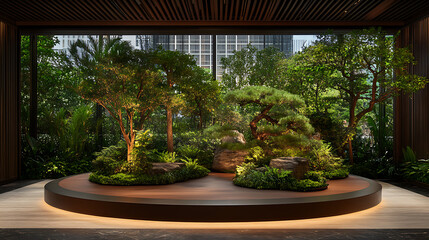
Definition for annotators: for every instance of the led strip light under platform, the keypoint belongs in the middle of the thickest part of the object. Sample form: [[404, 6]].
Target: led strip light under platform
[[210, 199]]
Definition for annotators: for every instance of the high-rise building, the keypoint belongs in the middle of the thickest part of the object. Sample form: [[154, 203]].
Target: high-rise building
[[201, 46]]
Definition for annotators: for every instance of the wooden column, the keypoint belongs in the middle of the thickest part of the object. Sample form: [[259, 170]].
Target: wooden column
[[9, 103], [33, 86], [411, 126]]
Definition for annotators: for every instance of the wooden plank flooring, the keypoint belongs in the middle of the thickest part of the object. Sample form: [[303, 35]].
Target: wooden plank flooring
[[400, 209]]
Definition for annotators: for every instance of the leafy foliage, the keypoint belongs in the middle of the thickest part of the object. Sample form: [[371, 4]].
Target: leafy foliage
[[123, 179], [250, 67], [413, 169], [273, 178], [277, 108], [358, 65]]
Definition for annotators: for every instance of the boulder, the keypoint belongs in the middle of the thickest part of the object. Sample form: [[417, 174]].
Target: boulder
[[161, 168], [299, 166], [236, 137], [227, 160]]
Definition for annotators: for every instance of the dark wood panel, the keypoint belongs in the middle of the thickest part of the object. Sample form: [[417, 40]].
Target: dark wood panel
[[412, 112], [173, 12], [9, 103]]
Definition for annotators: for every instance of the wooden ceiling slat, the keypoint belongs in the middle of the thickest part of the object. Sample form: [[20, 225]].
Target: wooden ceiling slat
[[262, 11], [189, 8], [52, 12], [40, 13], [163, 10], [84, 13], [154, 15], [279, 11], [107, 6], [252, 12], [128, 12], [344, 11], [300, 9], [320, 14], [221, 8], [49, 9], [238, 10], [8, 11], [112, 8], [183, 13], [142, 15], [179, 13], [91, 10], [338, 8], [214, 10], [247, 10], [270, 10], [196, 9], [399, 12], [133, 10], [231, 10], [315, 9], [202, 8], [285, 11], [95, 9], [312, 5], [289, 12], [362, 9], [96, 5]]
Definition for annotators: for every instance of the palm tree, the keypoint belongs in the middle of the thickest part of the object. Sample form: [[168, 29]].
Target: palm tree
[[86, 56]]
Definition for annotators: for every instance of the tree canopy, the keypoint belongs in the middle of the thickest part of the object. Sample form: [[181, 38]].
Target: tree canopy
[[277, 107]]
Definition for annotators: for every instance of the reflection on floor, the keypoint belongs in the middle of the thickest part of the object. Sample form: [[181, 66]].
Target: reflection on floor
[[400, 209]]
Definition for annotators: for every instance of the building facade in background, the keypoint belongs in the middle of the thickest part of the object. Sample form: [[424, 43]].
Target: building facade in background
[[201, 46]]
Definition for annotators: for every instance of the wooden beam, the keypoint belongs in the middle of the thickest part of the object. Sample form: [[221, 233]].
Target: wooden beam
[[214, 23], [379, 9]]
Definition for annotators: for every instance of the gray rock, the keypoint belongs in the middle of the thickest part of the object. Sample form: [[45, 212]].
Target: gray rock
[[236, 138], [299, 166], [227, 160], [261, 169], [161, 168]]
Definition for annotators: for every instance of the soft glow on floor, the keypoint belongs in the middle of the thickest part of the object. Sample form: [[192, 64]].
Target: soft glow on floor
[[400, 209]]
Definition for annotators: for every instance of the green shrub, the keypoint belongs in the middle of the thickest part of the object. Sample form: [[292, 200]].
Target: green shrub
[[257, 156], [336, 173], [321, 158], [245, 168], [125, 179], [413, 169], [273, 178], [167, 157], [417, 171], [110, 159]]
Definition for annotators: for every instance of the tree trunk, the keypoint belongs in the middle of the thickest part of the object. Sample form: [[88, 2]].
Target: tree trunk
[[200, 115], [351, 127], [130, 148], [170, 146], [99, 125], [350, 151]]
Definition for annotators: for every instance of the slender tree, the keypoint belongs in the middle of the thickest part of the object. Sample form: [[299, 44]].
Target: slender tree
[[201, 93], [127, 87], [86, 55], [175, 66], [362, 63]]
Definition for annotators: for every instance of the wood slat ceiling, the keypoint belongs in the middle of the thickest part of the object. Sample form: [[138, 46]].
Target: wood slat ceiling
[[212, 12]]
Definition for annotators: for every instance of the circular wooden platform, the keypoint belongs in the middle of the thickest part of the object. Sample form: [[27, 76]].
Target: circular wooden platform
[[210, 199]]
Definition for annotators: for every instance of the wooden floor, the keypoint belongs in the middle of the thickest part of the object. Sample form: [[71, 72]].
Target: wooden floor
[[400, 209]]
